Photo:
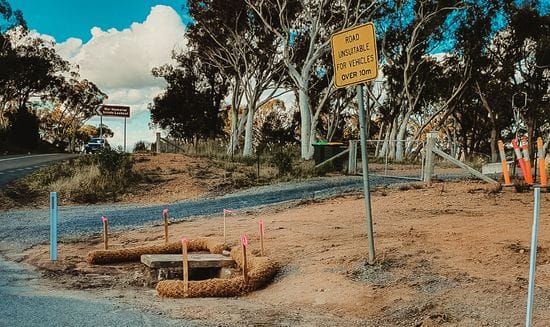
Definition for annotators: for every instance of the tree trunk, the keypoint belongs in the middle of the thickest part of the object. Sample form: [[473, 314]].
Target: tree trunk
[[400, 139], [249, 130], [494, 149], [377, 151], [306, 139], [234, 133], [391, 143]]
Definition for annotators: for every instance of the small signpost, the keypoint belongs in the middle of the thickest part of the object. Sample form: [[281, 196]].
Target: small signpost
[[355, 61], [113, 111]]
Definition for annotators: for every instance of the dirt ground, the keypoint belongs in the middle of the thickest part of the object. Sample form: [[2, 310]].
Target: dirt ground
[[449, 254]]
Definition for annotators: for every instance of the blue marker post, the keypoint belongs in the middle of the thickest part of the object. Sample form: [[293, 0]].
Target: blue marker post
[[53, 226]]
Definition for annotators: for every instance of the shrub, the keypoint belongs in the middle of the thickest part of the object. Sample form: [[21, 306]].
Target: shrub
[[114, 164], [140, 147], [281, 158]]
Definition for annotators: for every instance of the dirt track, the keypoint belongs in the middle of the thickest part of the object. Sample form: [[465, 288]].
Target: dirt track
[[453, 254]]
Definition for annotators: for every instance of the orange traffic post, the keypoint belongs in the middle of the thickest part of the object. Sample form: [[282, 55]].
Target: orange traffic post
[[165, 214], [105, 232], [529, 176], [521, 162], [505, 172], [244, 245], [184, 243], [542, 163]]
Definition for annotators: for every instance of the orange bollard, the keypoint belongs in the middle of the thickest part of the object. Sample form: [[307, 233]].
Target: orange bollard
[[505, 172], [542, 163], [521, 162], [529, 176]]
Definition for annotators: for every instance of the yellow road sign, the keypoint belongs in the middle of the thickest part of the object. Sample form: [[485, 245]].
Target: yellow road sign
[[354, 55]]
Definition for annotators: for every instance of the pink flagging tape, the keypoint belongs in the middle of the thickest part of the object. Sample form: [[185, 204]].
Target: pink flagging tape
[[244, 240], [104, 219], [262, 227], [165, 211]]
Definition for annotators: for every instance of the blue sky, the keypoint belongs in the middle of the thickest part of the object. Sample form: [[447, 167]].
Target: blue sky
[[73, 18], [115, 44]]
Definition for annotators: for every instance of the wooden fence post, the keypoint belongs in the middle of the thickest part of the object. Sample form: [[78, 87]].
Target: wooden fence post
[[352, 157], [429, 166]]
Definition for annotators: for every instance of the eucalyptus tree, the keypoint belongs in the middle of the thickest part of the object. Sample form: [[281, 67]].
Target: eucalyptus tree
[[526, 40], [74, 103], [468, 78], [303, 29], [189, 107], [229, 36], [412, 31], [9, 19], [30, 69]]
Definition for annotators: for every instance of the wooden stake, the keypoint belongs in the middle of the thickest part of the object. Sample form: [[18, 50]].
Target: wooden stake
[[262, 232], [224, 229], [244, 245], [165, 214], [105, 233], [184, 242]]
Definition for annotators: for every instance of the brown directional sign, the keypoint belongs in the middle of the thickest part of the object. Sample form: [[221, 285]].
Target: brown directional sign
[[116, 111], [354, 55]]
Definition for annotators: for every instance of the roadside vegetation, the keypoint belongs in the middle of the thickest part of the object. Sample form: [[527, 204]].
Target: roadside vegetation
[[109, 175], [88, 179]]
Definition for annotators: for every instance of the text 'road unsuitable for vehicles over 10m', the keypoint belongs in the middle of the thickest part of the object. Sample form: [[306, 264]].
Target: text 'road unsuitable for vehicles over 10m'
[[354, 55]]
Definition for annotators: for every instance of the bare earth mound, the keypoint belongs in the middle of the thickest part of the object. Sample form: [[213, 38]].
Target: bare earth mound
[[453, 254]]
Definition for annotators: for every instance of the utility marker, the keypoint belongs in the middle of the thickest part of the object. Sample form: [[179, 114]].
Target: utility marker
[[53, 226]]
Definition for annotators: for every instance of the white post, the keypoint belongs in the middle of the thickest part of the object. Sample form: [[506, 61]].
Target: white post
[[533, 260], [352, 157]]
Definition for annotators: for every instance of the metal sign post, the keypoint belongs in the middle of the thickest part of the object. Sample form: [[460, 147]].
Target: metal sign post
[[113, 111], [355, 61], [365, 166], [533, 259]]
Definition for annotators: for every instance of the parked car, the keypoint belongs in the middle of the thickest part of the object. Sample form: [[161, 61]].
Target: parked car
[[96, 144]]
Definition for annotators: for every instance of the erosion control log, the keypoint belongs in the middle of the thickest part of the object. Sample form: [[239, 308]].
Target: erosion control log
[[134, 254], [261, 271]]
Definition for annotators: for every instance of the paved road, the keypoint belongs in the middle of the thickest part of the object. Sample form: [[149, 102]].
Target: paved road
[[26, 303], [13, 167]]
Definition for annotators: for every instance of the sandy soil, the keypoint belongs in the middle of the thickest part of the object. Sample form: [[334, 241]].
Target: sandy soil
[[449, 254]]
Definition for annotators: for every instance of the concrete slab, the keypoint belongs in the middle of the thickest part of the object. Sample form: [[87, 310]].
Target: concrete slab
[[195, 260]]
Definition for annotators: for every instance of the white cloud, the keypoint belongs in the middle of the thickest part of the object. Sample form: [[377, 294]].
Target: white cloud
[[123, 59], [120, 63]]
